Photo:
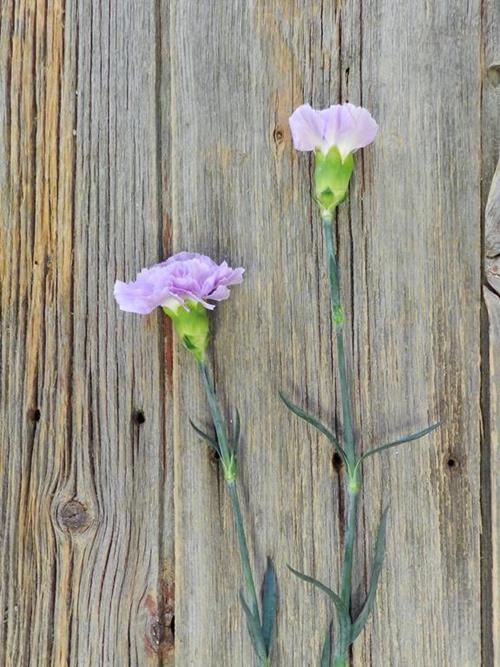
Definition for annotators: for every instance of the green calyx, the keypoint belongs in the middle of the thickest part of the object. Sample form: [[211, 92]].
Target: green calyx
[[331, 178], [191, 325], [229, 466]]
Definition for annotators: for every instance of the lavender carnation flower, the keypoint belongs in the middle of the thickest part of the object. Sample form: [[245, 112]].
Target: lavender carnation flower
[[182, 278], [342, 125]]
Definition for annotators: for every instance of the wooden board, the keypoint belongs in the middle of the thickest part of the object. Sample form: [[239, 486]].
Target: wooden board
[[86, 556], [133, 129], [491, 479]]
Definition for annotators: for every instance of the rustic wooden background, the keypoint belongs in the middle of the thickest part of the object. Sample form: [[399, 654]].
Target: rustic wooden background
[[130, 129]]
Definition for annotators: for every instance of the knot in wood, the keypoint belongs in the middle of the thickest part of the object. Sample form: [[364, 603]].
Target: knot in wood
[[73, 516], [493, 74], [278, 135], [163, 633]]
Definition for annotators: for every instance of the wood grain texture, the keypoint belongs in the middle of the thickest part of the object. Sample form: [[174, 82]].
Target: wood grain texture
[[410, 247], [134, 128], [491, 331], [85, 575], [492, 408]]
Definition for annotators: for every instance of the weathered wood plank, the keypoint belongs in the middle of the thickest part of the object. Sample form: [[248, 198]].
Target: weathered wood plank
[[83, 429], [418, 318], [240, 192], [409, 253], [89, 123], [491, 329], [492, 408]]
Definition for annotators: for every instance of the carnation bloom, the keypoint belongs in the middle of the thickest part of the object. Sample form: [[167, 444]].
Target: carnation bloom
[[345, 126], [182, 286], [333, 134], [183, 278]]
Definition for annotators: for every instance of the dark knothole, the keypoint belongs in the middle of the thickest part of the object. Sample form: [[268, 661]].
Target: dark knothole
[[34, 415], [139, 417], [337, 463]]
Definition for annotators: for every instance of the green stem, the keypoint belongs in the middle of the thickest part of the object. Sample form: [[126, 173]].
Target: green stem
[[341, 661], [215, 412], [352, 484], [338, 323], [251, 595], [228, 463], [349, 547]]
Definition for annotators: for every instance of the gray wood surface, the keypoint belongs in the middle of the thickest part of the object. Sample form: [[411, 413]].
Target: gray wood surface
[[86, 560], [492, 405], [132, 129]]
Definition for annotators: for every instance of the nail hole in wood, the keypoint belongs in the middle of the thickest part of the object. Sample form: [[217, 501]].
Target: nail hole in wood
[[34, 415], [337, 463], [139, 417], [214, 456], [452, 464]]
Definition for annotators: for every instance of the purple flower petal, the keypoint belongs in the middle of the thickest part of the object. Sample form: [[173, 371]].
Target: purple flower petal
[[345, 126], [183, 277], [307, 127]]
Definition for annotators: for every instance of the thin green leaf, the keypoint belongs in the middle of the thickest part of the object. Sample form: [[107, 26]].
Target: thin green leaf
[[406, 438], [306, 416], [269, 598], [326, 653], [378, 559], [254, 630], [210, 439], [343, 618]]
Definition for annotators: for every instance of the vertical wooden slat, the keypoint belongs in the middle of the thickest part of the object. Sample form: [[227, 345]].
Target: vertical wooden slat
[[418, 316], [84, 580], [491, 482], [490, 485], [241, 193], [409, 241]]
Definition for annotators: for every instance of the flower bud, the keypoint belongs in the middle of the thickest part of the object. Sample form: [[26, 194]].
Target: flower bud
[[191, 325], [331, 178]]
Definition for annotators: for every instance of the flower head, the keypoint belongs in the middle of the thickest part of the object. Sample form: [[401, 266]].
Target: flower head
[[344, 126], [184, 277], [182, 286], [333, 134]]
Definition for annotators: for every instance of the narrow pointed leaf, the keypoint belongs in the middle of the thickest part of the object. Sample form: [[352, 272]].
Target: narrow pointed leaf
[[269, 597], [406, 438], [254, 630], [326, 653], [210, 439], [306, 416], [343, 618], [378, 559]]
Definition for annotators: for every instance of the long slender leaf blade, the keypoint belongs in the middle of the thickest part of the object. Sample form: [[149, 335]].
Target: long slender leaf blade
[[211, 440], [269, 599], [343, 617], [326, 653], [401, 441], [310, 419], [254, 630], [378, 559]]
